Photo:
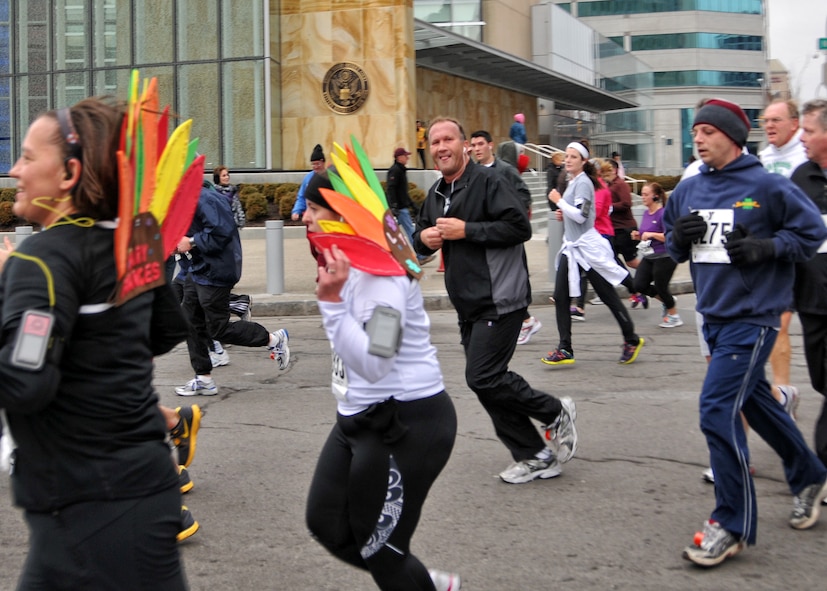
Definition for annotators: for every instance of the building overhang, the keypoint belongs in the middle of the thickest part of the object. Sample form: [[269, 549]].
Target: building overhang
[[449, 53]]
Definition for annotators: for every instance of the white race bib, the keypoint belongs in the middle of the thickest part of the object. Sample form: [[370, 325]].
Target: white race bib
[[710, 248], [338, 377]]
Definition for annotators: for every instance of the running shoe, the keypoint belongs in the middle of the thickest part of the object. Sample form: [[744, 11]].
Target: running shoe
[[184, 434], [198, 387], [791, 400], [577, 314], [281, 350], [671, 321], [219, 359], [596, 301], [445, 581], [563, 431], [558, 357], [806, 505], [630, 351], [527, 470], [188, 524], [184, 480], [530, 327], [712, 546]]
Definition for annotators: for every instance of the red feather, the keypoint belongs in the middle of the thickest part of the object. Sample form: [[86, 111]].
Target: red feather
[[182, 207], [364, 254]]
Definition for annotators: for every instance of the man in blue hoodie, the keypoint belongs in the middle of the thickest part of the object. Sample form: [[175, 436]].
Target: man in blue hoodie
[[742, 228], [210, 247]]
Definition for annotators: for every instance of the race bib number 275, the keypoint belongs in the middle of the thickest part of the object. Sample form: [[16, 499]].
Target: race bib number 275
[[710, 248]]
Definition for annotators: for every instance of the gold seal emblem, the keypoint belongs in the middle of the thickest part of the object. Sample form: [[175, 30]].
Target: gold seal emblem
[[345, 88]]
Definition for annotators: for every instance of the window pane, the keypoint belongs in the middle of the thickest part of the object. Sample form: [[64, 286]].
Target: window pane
[[70, 88], [197, 31], [34, 99], [32, 42], [197, 86], [112, 82], [71, 35], [243, 117], [242, 29], [112, 33], [153, 31]]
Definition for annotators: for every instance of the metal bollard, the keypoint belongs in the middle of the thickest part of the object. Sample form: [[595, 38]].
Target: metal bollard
[[20, 234], [274, 259]]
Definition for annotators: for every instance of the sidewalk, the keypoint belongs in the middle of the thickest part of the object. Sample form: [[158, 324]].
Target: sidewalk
[[298, 298]]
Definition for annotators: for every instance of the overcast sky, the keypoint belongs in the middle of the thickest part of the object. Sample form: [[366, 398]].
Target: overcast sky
[[795, 28]]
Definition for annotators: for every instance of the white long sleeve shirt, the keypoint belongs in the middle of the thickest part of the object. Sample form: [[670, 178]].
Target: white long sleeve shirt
[[360, 379]]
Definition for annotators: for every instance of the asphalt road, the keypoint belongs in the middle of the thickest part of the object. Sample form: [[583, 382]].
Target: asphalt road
[[617, 518]]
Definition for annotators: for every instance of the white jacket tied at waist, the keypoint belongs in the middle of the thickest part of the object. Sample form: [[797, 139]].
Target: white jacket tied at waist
[[589, 251]]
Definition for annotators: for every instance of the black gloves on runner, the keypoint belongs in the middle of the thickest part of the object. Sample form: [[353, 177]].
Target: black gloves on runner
[[687, 229], [745, 250]]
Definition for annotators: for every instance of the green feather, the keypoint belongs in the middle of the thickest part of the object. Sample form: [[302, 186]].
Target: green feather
[[338, 184], [368, 172]]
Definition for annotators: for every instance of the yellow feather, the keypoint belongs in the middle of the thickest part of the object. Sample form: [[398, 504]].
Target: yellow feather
[[336, 227], [340, 151], [169, 171], [360, 190]]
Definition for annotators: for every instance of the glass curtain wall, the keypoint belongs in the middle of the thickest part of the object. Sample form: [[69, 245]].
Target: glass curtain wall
[[208, 56]]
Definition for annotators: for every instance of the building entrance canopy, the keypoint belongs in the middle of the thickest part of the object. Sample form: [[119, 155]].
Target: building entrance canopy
[[447, 52]]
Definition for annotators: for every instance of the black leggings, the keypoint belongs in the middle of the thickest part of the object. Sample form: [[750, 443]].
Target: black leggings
[[367, 494], [103, 545], [604, 290], [657, 270]]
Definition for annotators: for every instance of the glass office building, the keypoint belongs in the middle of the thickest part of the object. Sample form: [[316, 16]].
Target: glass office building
[[53, 53]]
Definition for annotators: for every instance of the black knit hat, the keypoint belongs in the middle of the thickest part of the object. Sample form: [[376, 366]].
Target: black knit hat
[[726, 116], [320, 180], [318, 153]]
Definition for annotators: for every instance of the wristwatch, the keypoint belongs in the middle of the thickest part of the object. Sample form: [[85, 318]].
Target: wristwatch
[[192, 242]]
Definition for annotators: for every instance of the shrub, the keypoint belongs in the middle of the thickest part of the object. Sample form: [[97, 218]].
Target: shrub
[[286, 203], [7, 194], [269, 191], [255, 206], [7, 218]]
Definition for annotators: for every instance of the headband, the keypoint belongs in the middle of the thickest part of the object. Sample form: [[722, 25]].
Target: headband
[[580, 148], [70, 135]]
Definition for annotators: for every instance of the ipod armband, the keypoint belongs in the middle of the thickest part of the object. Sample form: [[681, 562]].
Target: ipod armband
[[384, 330], [33, 337]]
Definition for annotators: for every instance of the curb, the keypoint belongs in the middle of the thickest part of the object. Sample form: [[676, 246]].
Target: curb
[[266, 305]]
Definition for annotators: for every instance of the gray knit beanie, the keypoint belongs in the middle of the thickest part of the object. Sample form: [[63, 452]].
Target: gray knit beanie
[[726, 116]]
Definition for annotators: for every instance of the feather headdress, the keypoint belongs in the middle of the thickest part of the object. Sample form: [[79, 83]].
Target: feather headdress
[[160, 180], [370, 235]]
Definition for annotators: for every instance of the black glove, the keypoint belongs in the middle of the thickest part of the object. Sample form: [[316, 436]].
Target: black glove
[[687, 229], [744, 250]]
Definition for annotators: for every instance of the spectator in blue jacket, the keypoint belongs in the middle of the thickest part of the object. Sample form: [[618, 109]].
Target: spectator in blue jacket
[[317, 163]]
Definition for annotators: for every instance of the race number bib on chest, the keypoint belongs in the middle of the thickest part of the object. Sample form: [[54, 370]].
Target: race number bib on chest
[[710, 248], [338, 377]]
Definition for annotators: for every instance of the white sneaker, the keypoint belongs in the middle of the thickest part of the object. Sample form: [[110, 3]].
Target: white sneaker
[[281, 350], [563, 431], [530, 326], [445, 581], [791, 400], [671, 321], [708, 475], [596, 301], [527, 470], [198, 387], [219, 359]]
